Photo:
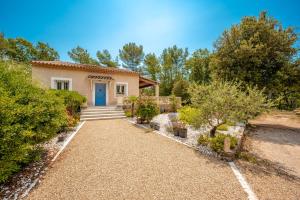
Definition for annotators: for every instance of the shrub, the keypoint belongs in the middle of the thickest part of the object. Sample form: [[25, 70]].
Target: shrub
[[188, 115], [132, 99], [180, 89], [128, 113], [72, 101], [222, 127], [174, 103], [146, 109], [29, 116], [217, 143], [203, 139]]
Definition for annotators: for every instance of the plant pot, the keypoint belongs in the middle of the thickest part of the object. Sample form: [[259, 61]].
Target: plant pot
[[182, 132], [175, 131]]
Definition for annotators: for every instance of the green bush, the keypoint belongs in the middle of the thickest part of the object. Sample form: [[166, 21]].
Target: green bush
[[217, 143], [146, 109], [222, 127], [72, 101], [29, 116], [174, 103], [128, 113], [203, 139], [188, 114], [180, 89]]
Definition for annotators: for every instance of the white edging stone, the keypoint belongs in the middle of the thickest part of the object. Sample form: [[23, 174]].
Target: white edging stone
[[243, 182], [68, 141]]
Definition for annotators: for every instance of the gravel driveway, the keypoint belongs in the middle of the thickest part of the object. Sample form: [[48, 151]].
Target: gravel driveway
[[113, 159]]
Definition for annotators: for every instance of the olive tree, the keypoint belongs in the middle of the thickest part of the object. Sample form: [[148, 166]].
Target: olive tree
[[219, 102]]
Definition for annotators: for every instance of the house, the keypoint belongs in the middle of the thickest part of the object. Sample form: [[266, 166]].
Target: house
[[102, 86]]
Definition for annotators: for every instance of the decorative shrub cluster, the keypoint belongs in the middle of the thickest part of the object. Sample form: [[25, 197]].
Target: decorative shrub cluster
[[217, 143], [146, 109], [29, 116], [72, 101]]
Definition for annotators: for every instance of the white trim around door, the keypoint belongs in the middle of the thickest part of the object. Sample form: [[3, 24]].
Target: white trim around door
[[106, 92]]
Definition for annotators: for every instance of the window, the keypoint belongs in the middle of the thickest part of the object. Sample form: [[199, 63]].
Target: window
[[61, 83], [121, 89]]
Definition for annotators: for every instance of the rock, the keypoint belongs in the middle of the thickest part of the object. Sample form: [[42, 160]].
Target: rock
[[155, 125], [227, 145]]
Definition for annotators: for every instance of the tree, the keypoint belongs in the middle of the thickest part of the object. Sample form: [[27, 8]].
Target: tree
[[104, 58], [221, 102], [255, 52], [198, 65], [180, 89], [20, 50], [132, 56], [45, 52], [81, 55], [132, 99], [4, 46], [173, 68], [152, 66]]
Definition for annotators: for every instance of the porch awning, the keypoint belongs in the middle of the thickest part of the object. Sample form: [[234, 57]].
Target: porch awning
[[145, 82]]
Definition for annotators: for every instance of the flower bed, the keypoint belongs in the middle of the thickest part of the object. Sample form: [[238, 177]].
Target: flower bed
[[165, 123]]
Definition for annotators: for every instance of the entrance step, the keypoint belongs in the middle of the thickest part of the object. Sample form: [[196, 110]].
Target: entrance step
[[100, 113]]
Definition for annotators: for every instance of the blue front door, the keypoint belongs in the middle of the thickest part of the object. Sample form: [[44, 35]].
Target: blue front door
[[100, 94]]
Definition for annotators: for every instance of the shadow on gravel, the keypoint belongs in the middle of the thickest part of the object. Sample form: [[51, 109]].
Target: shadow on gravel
[[267, 168], [278, 134]]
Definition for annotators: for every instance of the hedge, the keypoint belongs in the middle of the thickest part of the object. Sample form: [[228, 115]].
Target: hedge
[[29, 116]]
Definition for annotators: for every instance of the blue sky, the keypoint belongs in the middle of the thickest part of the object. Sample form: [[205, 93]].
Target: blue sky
[[155, 24]]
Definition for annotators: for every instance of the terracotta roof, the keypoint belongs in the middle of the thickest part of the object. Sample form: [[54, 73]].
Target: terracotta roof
[[146, 82], [82, 67]]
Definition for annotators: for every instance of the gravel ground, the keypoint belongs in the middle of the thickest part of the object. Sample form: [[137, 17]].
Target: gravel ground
[[269, 185], [113, 159], [276, 137]]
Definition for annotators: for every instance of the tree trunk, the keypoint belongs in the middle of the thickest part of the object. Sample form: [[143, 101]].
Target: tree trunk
[[132, 110], [212, 132]]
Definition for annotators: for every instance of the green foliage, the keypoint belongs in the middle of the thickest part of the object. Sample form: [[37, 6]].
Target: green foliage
[[81, 55], [198, 64], [128, 114], [219, 102], [72, 101], [146, 109], [29, 116], [132, 99], [188, 115], [45, 52], [217, 143], [260, 52], [175, 104], [21, 50], [132, 56], [222, 127], [152, 66], [180, 89], [204, 139], [105, 59], [173, 68]]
